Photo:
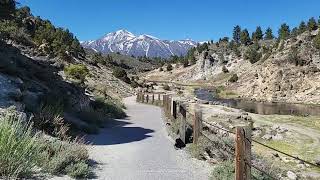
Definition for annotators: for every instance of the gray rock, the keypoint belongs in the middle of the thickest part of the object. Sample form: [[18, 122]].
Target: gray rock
[[277, 137], [317, 160], [291, 175], [267, 137], [31, 100]]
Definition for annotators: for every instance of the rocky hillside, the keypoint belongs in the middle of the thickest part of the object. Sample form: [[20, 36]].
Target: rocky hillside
[[126, 43], [43, 65], [285, 70]]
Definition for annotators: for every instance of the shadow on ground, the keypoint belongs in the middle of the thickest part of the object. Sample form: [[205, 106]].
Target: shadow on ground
[[116, 132]]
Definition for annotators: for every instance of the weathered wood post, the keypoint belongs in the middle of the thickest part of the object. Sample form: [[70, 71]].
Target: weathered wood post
[[243, 153], [142, 97], [147, 98], [183, 122], [248, 140], [174, 109], [167, 105], [164, 97], [197, 125], [159, 100], [152, 98], [170, 107]]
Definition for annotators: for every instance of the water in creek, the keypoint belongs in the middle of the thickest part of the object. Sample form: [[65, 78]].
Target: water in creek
[[260, 107]]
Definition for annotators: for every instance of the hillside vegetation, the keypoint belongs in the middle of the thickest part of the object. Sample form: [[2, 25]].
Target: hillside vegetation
[[259, 67], [52, 91]]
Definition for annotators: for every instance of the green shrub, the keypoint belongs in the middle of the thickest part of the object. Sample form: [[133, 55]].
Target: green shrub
[[78, 170], [121, 74], [316, 41], [57, 155], [198, 150], [19, 149], [224, 69], [134, 84], [223, 171], [233, 78], [49, 119], [77, 72], [253, 55], [111, 108], [169, 67], [295, 58], [166, 87]]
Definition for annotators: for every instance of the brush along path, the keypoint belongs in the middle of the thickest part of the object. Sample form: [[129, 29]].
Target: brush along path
[[139, 148]]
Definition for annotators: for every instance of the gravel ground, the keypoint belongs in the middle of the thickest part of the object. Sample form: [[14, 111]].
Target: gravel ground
[[139, 148]]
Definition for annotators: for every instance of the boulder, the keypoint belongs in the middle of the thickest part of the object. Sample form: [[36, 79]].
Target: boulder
[[267, 137], [31, 100], [317, 160], [291, 175]]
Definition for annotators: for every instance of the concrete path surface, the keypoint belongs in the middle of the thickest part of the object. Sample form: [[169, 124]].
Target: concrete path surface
[[139, 148]]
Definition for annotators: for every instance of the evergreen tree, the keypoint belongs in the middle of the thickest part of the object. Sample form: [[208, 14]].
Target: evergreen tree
[[312, 24], [236, 34], [302, 27], [258, 34], [244, 37], [268, 35], [7, 9], [316, 41], [294, 32], [284, 31]]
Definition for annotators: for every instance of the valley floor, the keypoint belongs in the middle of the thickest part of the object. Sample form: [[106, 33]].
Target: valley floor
[[139, 148]]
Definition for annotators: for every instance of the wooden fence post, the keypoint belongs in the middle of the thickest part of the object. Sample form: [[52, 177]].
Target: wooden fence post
[[158, 97], [243, 153], [147, 98], [247, 150], [174, 109], [169, 106], [164, 97], [152, 98], [197, 125], [183, 122], [142, 97]]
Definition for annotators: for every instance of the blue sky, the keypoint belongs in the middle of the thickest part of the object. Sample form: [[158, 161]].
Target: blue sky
[[171, 19]]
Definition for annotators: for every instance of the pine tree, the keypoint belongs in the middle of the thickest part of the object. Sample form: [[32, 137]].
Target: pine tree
[[236, 34], [316, 41], [244, 37], [294, 32], [312, 24], [284, 31], [7, 9], [268, 34], [258, 34], [302, 27]]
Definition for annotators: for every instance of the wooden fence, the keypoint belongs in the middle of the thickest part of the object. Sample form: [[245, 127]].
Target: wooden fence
[[174, 109]]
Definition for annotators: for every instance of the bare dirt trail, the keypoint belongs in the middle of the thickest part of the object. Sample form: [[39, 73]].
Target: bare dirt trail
[[138, 148]]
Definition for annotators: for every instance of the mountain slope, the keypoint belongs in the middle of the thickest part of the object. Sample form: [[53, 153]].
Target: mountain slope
[[287, 71], [127, 43]]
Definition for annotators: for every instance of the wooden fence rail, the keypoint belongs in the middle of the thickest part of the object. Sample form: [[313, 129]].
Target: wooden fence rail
[[242, 138]]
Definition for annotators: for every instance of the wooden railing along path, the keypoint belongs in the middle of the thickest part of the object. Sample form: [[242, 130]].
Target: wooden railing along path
[[177, 111]]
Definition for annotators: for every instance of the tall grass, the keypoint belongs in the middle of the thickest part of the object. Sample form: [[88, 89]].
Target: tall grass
[[59, 157], [19, 149], [22, 151]]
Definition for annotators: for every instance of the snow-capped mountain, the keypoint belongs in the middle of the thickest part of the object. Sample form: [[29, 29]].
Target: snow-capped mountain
[[125, 42]]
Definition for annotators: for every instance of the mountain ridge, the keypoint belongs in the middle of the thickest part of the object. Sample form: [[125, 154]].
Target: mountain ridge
[[127, 43]]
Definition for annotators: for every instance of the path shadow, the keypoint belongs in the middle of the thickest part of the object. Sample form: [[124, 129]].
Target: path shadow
[[116, 132]]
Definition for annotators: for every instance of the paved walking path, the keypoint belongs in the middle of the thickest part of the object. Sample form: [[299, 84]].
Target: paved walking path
[[139, 148]]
